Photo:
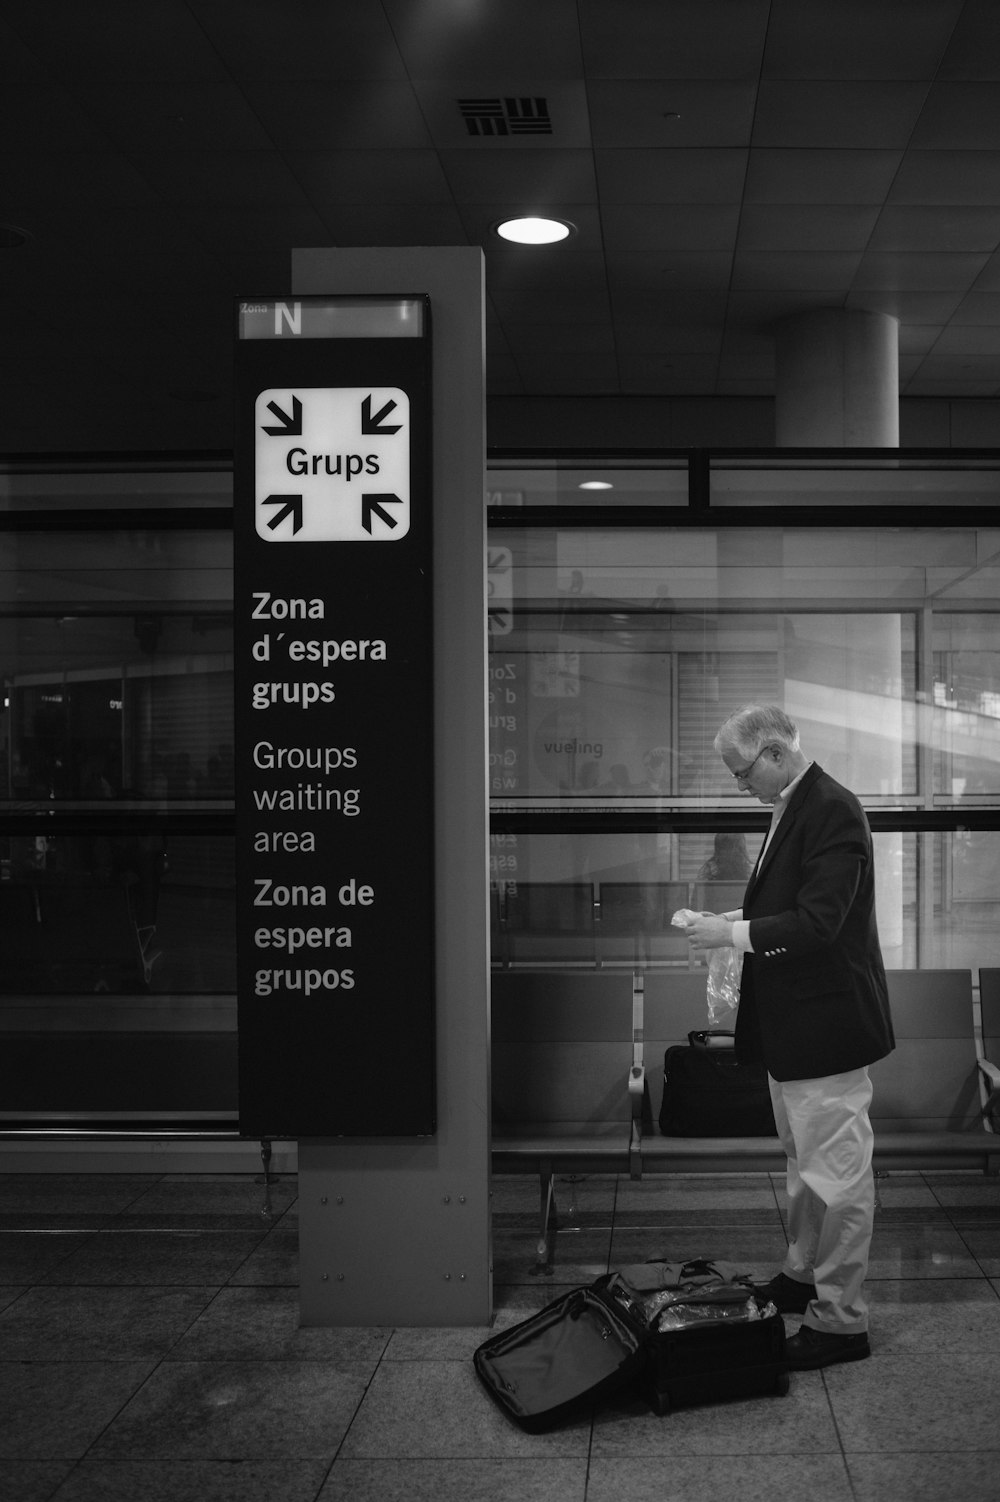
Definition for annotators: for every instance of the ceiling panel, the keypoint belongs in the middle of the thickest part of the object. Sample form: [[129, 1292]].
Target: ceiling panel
[[887, 39], [725, 163], [178, 116], [974, 48], [309, 114], [444, 39], [686, 39], [845, 113], [671, 175], [254, 39], [977, 309], [955, 228], [154, 39], [816, 227], [918, 272], [655, 226], [367, 177], [570, 338], [671, 112], [959, 117], [260, 178], [947, 177], [652, 274], [795, 175], [653, 336], [541, 177], [826, 275]]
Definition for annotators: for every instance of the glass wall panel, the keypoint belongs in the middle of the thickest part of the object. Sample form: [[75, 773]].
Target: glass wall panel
[[133, 484], [117, 889], [597, 481], [625, 648], [846, 480]]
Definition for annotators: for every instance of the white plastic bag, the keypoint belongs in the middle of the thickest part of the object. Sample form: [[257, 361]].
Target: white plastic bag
[[725, 966]]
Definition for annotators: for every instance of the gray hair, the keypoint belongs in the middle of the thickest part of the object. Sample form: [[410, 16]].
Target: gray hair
[[749, 729]]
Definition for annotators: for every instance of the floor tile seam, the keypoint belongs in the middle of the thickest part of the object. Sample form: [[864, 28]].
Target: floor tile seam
[[366, 1388], [98, 1437], [951, 1450], [166, 1355], [972, 1253], [839, 1437], [158, 1182]]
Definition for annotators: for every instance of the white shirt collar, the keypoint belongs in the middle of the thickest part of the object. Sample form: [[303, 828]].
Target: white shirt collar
[[781, 801]]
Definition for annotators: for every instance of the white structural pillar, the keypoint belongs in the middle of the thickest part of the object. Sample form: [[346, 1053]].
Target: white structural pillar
[[837, 386], [398, 1231], [837, 376]]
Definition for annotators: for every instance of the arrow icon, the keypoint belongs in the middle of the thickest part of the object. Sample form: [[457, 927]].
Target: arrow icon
[[374, 503], [370, 424], [288, 427], [291, 505]]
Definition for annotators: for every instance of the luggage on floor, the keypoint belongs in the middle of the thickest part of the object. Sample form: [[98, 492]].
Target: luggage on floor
[[707, 1093], [580, 1348], [710, 1344], [646, 1278], [673, 1333]]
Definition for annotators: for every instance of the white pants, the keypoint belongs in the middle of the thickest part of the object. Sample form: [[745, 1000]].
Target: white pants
[[824, 1128]]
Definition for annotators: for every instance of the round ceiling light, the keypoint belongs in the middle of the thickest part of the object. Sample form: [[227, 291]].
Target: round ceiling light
[[534, 230], [596, 485]]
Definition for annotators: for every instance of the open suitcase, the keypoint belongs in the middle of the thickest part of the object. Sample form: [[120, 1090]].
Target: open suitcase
[[614, 1334], [580, 1348]]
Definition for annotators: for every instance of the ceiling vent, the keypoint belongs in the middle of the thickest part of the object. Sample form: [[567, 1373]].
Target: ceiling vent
[[508, 115]]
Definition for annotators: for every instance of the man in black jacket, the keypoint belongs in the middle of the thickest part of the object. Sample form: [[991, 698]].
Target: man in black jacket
[[814, 1008]]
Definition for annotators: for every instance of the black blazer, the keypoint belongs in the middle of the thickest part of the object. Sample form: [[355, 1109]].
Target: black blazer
[[813, 997]]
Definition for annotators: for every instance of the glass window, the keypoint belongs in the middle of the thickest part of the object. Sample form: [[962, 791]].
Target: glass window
[[117, 902], [623, 650], [601, 480], [855, 480]]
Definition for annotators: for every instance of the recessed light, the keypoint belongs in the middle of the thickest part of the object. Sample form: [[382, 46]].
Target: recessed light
[[595, 485], [534, 230]]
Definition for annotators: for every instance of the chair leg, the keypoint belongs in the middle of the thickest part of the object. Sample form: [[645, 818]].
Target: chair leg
[[545, 1247], [266, 1210]]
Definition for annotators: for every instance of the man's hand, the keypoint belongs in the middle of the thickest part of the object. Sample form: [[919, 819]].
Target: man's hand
[[709, 931]]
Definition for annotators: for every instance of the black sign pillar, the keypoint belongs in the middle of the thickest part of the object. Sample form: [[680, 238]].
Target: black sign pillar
[[334, 697], [362, 721]]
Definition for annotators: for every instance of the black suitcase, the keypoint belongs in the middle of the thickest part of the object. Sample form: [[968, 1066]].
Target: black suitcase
[[707, 1093], [705, 1346], [582, 1347]]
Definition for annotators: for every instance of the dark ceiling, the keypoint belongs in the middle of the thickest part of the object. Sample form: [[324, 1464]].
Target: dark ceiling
[[726, 163]]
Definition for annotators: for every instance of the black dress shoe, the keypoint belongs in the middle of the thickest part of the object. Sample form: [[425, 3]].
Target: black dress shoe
[[787, 1295], [814, 1348]]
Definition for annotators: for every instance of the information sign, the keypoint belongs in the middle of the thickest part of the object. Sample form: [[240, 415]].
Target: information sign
[[333, 636]]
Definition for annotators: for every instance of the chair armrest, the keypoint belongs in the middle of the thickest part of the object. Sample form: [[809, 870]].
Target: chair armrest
[[989, 1092], [636, 1089], [991, 1073]]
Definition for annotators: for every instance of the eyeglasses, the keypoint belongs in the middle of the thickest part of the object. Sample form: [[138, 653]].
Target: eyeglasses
[[744, 772]]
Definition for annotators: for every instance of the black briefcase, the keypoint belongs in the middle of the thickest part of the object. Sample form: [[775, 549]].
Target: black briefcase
[[711, 1344], [557, 1364], [708, 1093]]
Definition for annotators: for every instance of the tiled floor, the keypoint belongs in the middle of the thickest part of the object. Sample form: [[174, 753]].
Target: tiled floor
[[150, 1352]]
